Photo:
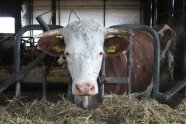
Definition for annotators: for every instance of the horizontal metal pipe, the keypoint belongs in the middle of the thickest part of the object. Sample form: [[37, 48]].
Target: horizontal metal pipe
[[117, 79], [168, 94], [21, 74]]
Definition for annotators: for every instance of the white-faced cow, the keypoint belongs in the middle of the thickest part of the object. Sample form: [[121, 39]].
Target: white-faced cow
[[84, 44], [168, 46]]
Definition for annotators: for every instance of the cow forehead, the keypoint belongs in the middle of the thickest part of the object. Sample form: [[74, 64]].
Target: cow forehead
[[85, 26], [84, 36], [85, 32]]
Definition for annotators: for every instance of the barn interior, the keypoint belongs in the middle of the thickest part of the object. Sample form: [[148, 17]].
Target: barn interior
[[33, 86], [15, 15]]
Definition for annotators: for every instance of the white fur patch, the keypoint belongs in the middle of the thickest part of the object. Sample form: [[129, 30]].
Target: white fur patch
[[161, 32], [86, 27], [165, 50]]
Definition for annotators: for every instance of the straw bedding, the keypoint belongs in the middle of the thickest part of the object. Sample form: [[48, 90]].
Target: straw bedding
[[113, 110]]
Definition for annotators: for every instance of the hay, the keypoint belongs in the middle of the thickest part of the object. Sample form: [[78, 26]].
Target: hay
[[4, 73], [113, 110], [55, 74]]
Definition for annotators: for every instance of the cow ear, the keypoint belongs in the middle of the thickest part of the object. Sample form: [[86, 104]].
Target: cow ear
[[115, 45], [53, 46]]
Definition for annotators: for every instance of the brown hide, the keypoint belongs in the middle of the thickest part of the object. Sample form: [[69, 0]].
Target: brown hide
[[167, 54], [142, 65], [168, 34], [50, 44]]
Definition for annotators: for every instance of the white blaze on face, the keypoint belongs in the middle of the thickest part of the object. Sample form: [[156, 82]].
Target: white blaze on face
[[84, 48]]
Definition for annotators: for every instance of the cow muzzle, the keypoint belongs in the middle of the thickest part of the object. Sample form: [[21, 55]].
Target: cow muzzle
[[85, 89]]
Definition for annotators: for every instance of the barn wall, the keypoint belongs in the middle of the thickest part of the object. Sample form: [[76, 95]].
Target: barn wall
[[116, 12]]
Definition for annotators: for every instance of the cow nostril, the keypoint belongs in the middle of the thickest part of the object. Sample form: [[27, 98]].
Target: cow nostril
[[92, 88], [89, 85], [77, 88]]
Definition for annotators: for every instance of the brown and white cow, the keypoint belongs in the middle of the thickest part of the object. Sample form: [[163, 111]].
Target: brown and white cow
[[85, 43], [168, 45]]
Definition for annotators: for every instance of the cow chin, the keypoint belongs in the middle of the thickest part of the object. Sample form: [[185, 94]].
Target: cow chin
[[84, 89]]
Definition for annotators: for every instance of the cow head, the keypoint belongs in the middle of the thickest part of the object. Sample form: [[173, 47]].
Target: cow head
[[83, 45]]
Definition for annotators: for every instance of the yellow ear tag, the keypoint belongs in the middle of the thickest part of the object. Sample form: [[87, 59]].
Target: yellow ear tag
[[58, 49], [111, 49]]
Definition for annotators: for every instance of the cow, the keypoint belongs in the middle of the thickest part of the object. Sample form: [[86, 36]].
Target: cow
[[85, 42], [167, 38]]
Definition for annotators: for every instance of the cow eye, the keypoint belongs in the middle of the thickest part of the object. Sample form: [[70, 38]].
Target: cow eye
[[101, 53], [67, 54]]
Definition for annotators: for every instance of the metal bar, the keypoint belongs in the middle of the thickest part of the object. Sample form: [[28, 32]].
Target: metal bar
[[104, 7], [17, 51], [59, 13], [171, 5], [44, 82], [70, 95], [117, 80], [102, 78], [42, 23], [185, 93], [168, 94], [129, 61], [53, 7], [18, 88], [33, 79], [154, 18], [21, 74], [44, 79]]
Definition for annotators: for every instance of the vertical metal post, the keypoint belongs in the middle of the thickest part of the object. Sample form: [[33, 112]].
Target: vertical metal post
[[53, 7], [104, 6], [70, 95], [59, 13], [129, 69], [18, 67], [18, 89], [102, 78], [154, 13], [17, 15], [151, 15], [171, 5], [185, 93], [44, 80], [17, 27]]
